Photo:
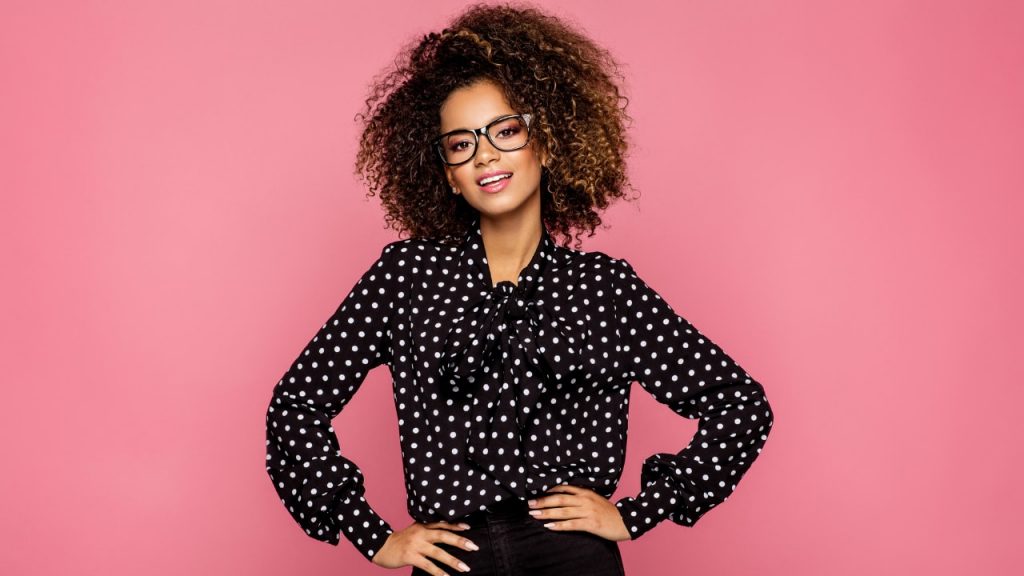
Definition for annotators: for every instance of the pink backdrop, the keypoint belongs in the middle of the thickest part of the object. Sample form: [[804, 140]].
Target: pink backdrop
[[830, 190]]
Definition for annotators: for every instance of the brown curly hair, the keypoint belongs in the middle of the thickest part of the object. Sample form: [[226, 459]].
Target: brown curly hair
[[542, 65]]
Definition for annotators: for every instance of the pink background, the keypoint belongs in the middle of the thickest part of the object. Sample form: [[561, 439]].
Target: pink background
[[830, 190]]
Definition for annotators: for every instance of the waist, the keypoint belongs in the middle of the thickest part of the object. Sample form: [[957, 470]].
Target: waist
[[504, 508]]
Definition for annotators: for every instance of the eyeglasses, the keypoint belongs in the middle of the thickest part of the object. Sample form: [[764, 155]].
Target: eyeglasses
[[508, 133]]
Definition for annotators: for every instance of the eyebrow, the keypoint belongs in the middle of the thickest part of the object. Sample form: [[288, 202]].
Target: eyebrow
[[493, 118]]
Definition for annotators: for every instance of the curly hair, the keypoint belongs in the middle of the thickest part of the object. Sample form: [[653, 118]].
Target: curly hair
[[541, 64]]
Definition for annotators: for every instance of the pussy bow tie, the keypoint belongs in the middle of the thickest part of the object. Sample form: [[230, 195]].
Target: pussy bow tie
[[503, 353]]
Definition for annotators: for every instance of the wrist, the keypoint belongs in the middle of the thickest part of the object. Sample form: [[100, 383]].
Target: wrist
[[649, 507]]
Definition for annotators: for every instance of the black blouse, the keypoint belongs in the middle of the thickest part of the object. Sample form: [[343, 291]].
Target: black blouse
[[507, 391]]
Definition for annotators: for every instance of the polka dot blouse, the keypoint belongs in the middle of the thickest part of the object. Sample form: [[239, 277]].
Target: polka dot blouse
[[505, 391]]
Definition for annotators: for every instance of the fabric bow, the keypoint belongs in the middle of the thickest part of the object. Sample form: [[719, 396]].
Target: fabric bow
[[500, 353]]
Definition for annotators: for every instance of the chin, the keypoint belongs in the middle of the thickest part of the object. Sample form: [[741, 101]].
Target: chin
[[496, 206]]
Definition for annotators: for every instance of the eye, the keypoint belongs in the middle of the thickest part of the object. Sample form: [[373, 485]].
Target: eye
[[509, 132], [459, 145]]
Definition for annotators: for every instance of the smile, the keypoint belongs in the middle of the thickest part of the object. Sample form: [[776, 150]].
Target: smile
[[495, 183]]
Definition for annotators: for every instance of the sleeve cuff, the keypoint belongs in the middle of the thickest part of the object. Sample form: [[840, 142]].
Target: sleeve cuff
[[361, 525], [652, 505]]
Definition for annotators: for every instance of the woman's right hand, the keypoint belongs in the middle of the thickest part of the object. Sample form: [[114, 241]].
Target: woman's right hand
[[415, 545]]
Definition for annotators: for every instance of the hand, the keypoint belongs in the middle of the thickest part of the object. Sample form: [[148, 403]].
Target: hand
[[576, 508], [415, 544]]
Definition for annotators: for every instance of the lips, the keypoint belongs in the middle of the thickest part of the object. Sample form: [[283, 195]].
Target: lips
[[496, 186], [480, 180]]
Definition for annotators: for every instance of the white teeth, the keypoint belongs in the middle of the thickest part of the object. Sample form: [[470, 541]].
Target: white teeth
[[487, 181]]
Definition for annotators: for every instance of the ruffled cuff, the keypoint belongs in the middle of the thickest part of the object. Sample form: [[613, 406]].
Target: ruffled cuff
[[361, 525], [644, 511]]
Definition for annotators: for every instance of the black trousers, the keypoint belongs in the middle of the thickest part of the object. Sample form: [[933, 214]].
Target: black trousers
[[513, 543]]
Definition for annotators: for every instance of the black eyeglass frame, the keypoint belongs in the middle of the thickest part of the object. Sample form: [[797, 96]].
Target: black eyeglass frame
[[485, 130]]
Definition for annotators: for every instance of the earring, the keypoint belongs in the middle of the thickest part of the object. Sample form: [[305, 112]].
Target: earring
[[454, 190]]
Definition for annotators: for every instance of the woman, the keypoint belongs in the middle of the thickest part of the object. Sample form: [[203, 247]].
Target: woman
[[512, 356]]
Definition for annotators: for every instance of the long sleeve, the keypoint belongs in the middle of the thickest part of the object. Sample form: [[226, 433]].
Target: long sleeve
[[683, 369], [323, 490]]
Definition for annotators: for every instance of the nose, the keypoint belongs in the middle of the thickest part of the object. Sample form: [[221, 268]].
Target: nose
[[485, 151]]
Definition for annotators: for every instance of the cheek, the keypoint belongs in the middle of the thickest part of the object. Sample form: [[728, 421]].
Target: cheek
[[466, 179], [458, 177], [533, 172]]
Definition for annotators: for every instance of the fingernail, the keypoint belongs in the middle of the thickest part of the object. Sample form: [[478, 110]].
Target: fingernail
[[463, 567], [549, 524], [535, 512], [472, 546], [532, 502], [464, 525]]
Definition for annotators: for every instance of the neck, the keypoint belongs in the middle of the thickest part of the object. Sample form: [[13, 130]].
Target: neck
[[509, 244]]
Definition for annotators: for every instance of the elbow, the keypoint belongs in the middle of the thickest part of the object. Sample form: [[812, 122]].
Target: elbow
[[766, 414]]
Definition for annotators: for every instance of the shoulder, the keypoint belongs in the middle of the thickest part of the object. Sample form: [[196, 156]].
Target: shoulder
[[410, 258], [411, 246], [593, 262], [415, 249]]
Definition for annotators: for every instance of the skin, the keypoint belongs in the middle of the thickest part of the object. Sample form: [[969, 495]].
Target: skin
[[510, 222]]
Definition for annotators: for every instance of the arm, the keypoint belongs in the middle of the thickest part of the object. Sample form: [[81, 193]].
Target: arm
[[322, 489], [683, 369]]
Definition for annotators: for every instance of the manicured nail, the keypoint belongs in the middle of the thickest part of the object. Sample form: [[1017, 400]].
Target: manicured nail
[[535, 512], [532, 503], [463, 567], [549, 525], [471, 545], [464, 525]]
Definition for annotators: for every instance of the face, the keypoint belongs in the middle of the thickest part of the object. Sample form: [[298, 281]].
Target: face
[[475, 106]]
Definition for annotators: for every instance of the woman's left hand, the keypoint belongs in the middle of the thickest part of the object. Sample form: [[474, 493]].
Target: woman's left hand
[[569, 507]]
